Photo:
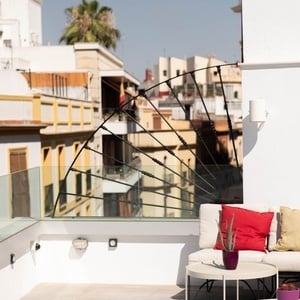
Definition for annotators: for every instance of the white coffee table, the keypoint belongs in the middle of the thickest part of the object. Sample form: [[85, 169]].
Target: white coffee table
[[216, 271]]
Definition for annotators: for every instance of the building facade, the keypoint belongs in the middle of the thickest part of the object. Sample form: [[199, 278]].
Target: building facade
[[67, 91]]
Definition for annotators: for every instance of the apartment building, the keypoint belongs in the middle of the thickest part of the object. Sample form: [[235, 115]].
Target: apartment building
[[207, 91], [168, 176], [67, 91], [207, 81]]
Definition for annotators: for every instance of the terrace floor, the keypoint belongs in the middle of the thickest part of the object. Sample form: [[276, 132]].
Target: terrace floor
[[54, 291]]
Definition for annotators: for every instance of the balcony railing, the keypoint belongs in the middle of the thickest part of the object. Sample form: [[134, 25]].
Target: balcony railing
[[136, 192], [114, 172]]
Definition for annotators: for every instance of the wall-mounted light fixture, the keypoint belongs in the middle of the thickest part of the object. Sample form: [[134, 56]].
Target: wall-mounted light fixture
[[80, 243], [257, 110], [35, 246]]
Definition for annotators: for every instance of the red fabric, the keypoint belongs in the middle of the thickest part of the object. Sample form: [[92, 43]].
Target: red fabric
[[252, 227]]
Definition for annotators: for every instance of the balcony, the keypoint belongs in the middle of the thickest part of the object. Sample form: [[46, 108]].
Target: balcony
[[149, 205], [48, 111], [128, 174], [119, 122], [148, 262], [150, 252]]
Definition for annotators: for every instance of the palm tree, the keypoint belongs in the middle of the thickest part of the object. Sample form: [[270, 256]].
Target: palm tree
[[90, 23]]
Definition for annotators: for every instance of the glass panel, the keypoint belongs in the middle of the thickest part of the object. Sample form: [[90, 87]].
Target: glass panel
[[19, 207]]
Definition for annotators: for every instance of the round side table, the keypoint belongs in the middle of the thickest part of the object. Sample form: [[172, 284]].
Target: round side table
[[216, 271]]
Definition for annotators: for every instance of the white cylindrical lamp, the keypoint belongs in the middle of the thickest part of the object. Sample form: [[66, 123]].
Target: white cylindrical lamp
[[257, 110]]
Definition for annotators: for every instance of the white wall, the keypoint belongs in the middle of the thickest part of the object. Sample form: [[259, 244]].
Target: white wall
[[47, 58], [271, 71], [21, 22], [147, 253], [18, 279], [270, 31]]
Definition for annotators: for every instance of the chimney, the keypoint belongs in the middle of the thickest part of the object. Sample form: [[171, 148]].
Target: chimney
[[148, 75]]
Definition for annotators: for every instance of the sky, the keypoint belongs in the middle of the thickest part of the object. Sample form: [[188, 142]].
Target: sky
[[153, 28]]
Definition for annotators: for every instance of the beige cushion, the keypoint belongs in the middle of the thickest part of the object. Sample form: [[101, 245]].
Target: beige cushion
[[290, 230]]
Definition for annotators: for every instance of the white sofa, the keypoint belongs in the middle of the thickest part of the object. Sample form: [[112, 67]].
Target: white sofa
[[286, 261]]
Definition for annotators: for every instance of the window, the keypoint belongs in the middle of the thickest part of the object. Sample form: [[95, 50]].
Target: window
[[210, 90], [190, 173], [165, 73], [169, 181], [156, 122], [183, 178], [48, 191], [78, 186], [229, 91], [185, 198], [177, 72], [62, 194], [88, 181], [61, 174], [7, 43], [47, 182], [20, 183]]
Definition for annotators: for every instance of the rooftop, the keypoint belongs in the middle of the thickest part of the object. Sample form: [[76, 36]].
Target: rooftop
[[152, 254]]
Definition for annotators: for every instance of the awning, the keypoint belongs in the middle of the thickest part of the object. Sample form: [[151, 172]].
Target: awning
[[118, 75]]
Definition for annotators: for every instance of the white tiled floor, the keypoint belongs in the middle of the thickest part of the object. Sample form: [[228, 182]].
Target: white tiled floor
[[47, 291], [103, 292]]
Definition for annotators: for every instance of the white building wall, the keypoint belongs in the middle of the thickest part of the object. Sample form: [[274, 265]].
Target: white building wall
[[20, 278], [177, 65], [21, 22], [169, 66], [271, 71], [273, 38], [155, 253], [47, 58], [35, 22], [195, 63], [159, 75]]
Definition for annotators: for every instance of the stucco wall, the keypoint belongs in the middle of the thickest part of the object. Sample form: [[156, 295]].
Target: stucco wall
[[271, 71], [147, 253]]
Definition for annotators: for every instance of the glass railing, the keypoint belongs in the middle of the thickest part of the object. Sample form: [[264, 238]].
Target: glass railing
[[138, 192], [20, 204]]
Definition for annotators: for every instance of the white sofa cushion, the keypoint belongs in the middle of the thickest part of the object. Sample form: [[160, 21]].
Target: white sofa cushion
[[211, 255], [286, 261], [209, 215]]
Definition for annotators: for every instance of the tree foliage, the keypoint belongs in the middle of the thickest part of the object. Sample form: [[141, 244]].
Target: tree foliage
[[89, 23]]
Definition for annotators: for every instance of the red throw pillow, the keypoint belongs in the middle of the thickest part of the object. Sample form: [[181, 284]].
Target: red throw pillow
[[252, 227]]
